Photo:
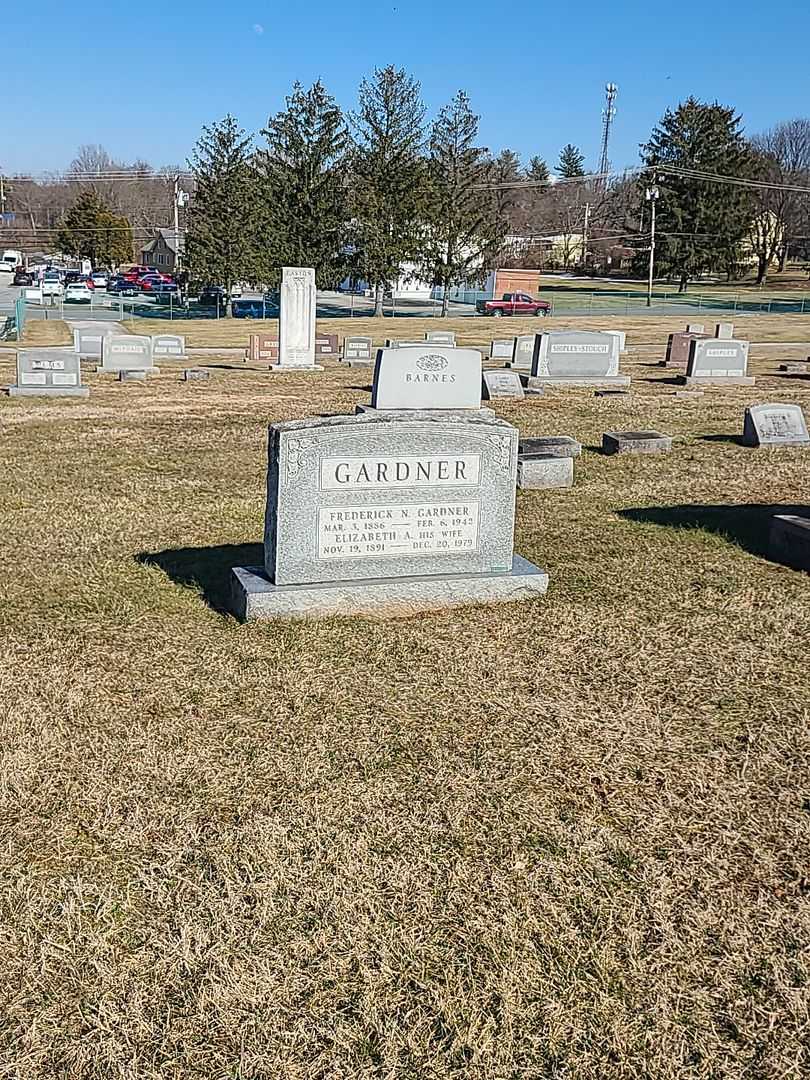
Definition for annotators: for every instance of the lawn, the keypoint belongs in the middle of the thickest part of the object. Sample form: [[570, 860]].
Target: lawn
[[561, 838]]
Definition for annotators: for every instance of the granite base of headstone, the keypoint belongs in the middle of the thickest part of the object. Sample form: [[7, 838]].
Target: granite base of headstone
[[775, 424], [537, 472], [48, 373], [137, 375], [387, 515], [789, 541], [688, 395], [194, 375], [635, 442]]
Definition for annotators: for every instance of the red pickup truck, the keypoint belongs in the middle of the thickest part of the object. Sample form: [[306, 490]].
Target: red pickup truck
[[513, 303]]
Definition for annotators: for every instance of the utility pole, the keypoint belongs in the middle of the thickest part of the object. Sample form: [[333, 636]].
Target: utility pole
[[585, 235], [652, 197]]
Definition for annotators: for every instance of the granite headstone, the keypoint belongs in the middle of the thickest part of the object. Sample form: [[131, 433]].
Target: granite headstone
[[48, 373], [504, 383], [168, 346], [502, 349], [775, 425], [711, 361], [441, 337], [358, 350], [427, 378], [576, 358], [126, 352]]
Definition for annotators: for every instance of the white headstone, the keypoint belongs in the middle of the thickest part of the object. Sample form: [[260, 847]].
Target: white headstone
[[296, 321], [427, 378], [775, 425], [504, 383], [522, 351], [168, 345], [502, 349], [126, 352], [724, 331], [48, 373], [441, 337]]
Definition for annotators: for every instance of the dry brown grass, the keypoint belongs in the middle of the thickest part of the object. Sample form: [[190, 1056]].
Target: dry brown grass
[[642, 330], [42, 332], [564, 838]]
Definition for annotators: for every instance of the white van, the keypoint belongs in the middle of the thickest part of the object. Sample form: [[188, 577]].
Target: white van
[[10, 260]]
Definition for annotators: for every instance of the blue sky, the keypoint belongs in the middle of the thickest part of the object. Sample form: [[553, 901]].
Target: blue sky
[[142, 81]]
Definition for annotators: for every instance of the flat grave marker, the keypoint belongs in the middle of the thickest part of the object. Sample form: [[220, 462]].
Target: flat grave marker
[[775, 424], [501, 384], [636, 442]]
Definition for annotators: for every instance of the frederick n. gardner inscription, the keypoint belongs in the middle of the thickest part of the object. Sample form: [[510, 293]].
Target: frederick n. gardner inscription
[[346, 532], [372, 472]]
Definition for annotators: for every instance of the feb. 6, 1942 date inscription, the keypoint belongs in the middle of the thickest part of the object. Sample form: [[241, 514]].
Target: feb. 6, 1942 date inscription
[[411, 529]]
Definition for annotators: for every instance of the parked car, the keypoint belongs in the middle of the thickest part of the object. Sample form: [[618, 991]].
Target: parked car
[[248, 309], [72, 276], [515, 303], [162, 290], [52, 284], [212, 296], [122, 287], [78, 293], [22, 277], [99, 279]]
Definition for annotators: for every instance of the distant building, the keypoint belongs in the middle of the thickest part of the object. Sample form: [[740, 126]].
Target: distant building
[[165, 251]]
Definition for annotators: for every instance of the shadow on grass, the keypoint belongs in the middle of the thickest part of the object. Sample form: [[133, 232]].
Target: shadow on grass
[[205, 568], [735, 440], [746, 524]]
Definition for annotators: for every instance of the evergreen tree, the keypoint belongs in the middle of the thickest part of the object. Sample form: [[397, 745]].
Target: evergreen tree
[[700, 223], [90, 230], [302, 187], [507, 170], [220, 240], [538, 171], [571, 163], [388, 196], [465, 225]]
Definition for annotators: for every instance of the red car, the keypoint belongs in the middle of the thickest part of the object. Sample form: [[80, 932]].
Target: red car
[[146, 281], [516, 303]]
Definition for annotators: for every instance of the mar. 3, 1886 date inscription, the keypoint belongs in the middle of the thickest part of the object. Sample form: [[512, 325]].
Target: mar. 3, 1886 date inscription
[[346, 532]]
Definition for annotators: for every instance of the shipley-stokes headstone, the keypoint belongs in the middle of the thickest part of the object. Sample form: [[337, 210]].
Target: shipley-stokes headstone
[[263, 347], [775, 425], [326, 345], [441, 337], [388, 514], [48, 373], [502, 384], [168, 346], [358, 350], [296, 321], [127, 352], [87, 340], [576, 358], [426, 377], [502, 349], [723, 362]]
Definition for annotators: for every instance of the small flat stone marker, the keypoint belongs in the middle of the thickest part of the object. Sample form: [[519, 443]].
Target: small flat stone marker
[[689, 395], [795, 367], [501, 384], [635, 442], [194, 374], [549, 446], [775, 425], [611, 393], [137, 375]]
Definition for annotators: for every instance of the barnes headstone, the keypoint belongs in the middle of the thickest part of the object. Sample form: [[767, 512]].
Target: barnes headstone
[[427, 378]]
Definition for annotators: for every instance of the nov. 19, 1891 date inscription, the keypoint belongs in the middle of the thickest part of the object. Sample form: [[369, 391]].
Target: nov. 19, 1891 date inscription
[[346, 532]]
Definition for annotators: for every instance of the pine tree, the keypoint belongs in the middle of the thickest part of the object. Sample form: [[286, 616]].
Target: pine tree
[[507, 170], [90, 230], [388, 184], [700, 223], [571, 163], [302, 187], [465, 225], [538, 171], [220, 240]]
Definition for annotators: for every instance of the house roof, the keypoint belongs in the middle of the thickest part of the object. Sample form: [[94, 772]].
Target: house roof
[[174, 241]]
